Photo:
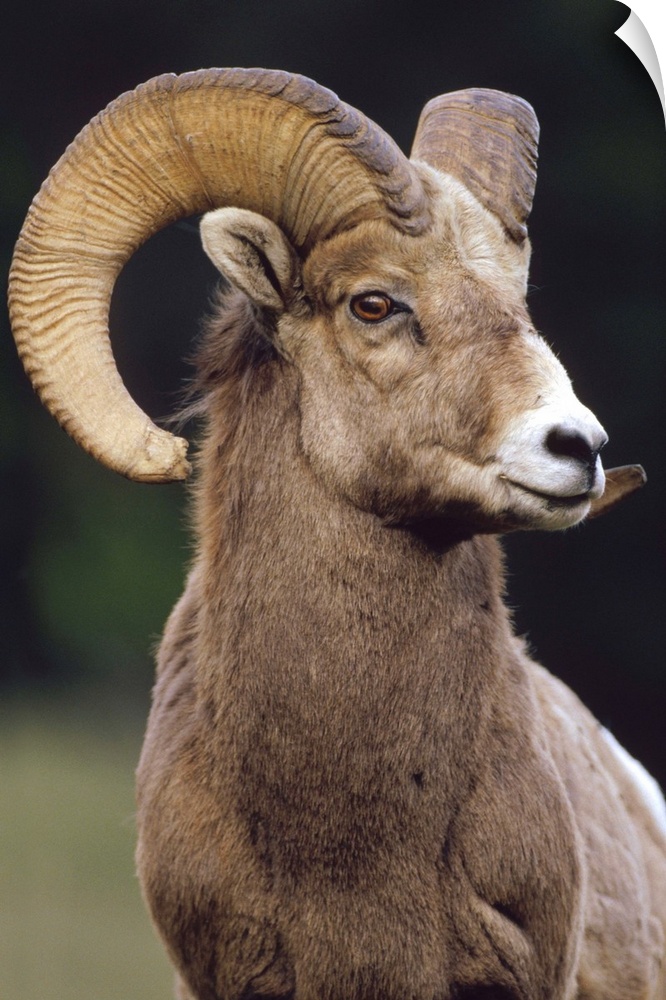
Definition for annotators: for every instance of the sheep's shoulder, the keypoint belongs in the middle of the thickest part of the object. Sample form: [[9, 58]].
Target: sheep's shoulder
[[620, 816]]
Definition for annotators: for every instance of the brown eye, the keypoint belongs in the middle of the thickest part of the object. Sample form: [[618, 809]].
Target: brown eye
[[372, 307]]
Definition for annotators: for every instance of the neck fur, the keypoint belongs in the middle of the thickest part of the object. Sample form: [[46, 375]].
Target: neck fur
[[337, 654]]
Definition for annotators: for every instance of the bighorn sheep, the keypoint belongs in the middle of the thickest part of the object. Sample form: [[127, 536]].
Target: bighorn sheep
[[355, 784]]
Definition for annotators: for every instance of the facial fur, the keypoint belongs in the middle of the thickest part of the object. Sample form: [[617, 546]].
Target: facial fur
[[409, 417]]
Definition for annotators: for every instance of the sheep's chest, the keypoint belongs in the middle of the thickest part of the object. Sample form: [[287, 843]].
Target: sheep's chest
[[389, 894]]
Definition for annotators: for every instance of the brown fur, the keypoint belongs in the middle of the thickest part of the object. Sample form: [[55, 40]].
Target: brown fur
[[355, 785]]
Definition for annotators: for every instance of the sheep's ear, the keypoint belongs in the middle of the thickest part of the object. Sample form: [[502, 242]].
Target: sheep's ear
[[620, 483], [253, 253]]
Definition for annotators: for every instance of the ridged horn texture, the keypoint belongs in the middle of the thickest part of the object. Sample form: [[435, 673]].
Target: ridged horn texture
[[263, 140], [487, 140]]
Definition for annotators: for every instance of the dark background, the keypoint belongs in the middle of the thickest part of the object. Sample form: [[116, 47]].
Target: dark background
[[90, 564]]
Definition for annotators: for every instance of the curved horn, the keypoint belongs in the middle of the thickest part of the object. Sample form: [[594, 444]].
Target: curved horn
[[176, 146], [487, 140]]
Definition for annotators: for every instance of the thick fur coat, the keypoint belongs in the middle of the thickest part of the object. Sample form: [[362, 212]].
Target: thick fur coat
[[355, 783]]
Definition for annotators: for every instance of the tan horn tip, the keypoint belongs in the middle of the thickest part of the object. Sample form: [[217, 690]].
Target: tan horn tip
[[161, 458], [621, 482]]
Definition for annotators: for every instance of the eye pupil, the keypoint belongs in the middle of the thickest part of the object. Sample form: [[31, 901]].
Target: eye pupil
[[372, 307]]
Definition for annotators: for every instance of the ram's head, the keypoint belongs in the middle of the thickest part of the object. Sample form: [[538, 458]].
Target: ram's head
[[396, 287]]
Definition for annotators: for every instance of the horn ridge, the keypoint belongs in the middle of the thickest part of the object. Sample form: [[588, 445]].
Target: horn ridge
[[265, 140], [487, 140], [370, 145]]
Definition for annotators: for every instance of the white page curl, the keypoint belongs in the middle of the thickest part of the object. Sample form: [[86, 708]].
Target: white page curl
[[644, 33]]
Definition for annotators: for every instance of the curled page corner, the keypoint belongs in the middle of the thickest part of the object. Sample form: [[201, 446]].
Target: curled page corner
[[635, 34]]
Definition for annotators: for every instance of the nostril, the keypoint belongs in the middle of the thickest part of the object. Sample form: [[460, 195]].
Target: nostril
[[569, 443]]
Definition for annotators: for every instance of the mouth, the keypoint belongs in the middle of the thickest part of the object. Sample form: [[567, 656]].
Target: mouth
[[553, 501]]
